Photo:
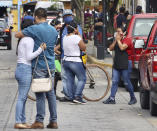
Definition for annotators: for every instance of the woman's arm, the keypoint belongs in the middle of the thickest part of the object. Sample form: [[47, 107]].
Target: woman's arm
[[111, 47], [82, 45], [122, 46], [56, 49], [30, 55]]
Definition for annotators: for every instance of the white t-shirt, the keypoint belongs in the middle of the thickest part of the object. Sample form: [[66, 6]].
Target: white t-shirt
[[71, 48], [25, 51]]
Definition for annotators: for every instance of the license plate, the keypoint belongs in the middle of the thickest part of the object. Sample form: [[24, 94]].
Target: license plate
[[1, 40]]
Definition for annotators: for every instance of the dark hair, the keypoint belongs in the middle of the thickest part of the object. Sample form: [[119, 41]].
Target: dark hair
[[138, 9], [126, 13], [25, 23], [122, 10], [122, 28], [55, 22], [72, 26], [40, 13]]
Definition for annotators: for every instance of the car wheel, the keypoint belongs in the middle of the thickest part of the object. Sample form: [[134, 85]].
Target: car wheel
[[9, 46], [135, 84], [144, 98], [153, 107]]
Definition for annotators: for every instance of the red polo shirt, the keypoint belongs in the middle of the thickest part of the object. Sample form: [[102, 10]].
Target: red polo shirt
[[130, 48]]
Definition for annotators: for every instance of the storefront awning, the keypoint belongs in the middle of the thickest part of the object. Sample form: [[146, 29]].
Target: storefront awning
[[5, 3]]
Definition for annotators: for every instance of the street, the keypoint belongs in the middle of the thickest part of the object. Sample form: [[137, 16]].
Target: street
[[94, 116]]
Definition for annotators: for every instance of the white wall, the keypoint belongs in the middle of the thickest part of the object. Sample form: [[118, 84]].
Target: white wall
[[143, 4]]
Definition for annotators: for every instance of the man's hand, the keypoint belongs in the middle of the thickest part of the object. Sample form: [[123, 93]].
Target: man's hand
[[19, 35]]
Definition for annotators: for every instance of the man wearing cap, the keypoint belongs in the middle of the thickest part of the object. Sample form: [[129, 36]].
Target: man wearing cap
[[67, 18], [28, 16]]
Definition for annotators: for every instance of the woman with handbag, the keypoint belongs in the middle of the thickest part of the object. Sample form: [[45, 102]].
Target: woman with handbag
[[72, 63], [23, 74]]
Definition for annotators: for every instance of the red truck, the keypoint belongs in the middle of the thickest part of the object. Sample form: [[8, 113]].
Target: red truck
[[138, 28], [148, 71]]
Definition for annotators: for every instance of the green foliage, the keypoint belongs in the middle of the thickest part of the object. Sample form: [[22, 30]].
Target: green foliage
[[51, 8]]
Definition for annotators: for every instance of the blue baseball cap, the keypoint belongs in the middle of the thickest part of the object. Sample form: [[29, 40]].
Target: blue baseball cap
[[67, 12]]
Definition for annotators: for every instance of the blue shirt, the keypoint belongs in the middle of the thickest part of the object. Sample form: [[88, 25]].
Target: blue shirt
[[28, 17], [65, 32], [43, 33]]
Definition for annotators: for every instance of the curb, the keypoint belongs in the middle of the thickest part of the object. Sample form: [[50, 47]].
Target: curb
[[95, 61]]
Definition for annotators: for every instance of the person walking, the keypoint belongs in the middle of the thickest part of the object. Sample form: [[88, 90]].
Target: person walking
[[88, 22], [121, 19], [72, 63], [121, 66], [42, 32], [23, 74]]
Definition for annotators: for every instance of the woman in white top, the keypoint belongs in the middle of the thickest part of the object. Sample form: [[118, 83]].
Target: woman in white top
[[72, 62], [23, 74]]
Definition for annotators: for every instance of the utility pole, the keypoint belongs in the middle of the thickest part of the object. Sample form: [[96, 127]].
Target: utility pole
[[101, 47], [133, 7]]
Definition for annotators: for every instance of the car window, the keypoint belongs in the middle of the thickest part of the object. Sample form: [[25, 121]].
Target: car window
[[155, 39], [142, 26]]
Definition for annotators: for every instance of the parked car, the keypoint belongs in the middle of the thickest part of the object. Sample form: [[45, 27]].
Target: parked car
[[138, 28], [5, 34], [148, 71]]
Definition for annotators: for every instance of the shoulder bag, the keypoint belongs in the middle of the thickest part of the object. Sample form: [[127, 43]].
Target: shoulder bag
[[41, 84]]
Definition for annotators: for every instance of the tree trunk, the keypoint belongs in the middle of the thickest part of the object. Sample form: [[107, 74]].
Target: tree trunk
[[78, 5]]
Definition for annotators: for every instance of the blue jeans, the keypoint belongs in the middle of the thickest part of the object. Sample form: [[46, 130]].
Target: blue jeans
[[64, 79], [23, 75], [40, 99], [115, 80], [73, 69]]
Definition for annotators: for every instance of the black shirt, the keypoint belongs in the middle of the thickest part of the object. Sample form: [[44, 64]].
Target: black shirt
[[120, 59], [120, 19]]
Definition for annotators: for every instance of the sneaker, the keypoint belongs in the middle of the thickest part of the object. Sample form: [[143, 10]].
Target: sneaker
[[132, 101], [52, 125], [37, 125], [64, 99], [79, 101], [109, 101]]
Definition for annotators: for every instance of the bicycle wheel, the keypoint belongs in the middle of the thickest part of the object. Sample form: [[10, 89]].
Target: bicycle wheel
[[97, 84], [31, 95]]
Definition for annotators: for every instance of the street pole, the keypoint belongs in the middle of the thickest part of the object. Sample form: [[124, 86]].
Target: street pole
[[101, 46], [133, 7]]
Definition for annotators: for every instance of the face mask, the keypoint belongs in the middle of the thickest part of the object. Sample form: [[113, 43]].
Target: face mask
[[68, 19]]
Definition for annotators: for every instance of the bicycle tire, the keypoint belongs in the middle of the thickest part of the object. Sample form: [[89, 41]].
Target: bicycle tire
[[106, 88]]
